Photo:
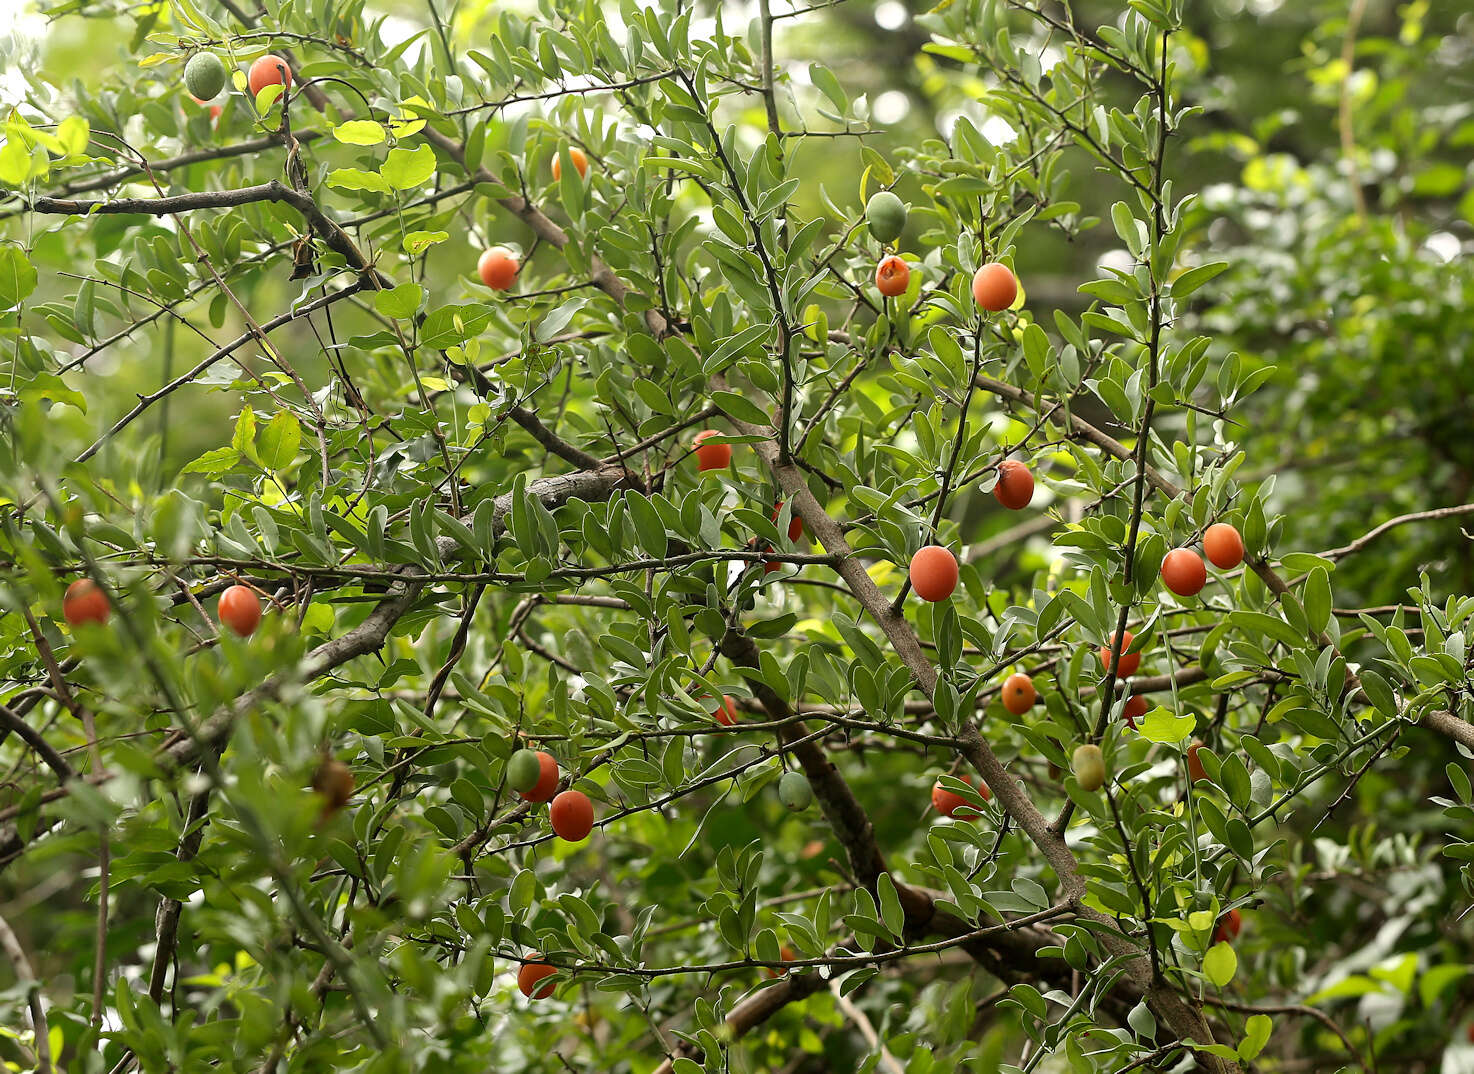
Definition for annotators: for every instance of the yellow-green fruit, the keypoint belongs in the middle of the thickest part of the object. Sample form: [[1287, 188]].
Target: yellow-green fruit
[[523, 771], [204, 75], [794, 791], [886, 215], [1089, 767]]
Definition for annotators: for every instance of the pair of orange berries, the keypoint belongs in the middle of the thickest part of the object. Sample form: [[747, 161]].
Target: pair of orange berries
[[571, 814], [498, 267], [994, 286], [1182, 568], [933, 570], [84, 602]]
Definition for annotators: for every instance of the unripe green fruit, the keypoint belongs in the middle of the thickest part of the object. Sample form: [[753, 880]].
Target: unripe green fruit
[[204, 75], [523, 771], [1089, 767], [794, 791], [886, 215]]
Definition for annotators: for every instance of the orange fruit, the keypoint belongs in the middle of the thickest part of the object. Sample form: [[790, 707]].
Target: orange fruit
[[934, 573], [1223, 546], [1195, 770], [1018, 693], [1129, 662], [84, 602], [240, 609], [726, 713], [498, 268], [994, 287], [946, 803], [533, 971], [1136, 706], [269, 70], [1228, 928], [572, 816], [1015, 488], [711, 456], [547, 780], [580, 162], [1183, 572], [892, 276]]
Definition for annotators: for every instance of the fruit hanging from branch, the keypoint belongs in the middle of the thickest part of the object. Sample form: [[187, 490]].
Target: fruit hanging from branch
[[948, 802], [204, 76], [1223, 546], [1018, 693], [269, 70], [885, 215], [240, 610], [84, 602], [933, 573], [892, 276], [572, 816], [1015, 487], [711, 456], [1088, 765], [994, 287], [498, 268], [1183, 572]]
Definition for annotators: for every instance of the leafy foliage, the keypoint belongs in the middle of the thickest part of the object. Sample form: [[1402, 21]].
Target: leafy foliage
[[251, 347]]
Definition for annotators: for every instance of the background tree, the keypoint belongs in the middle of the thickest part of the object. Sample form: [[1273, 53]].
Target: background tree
[[566, 744]]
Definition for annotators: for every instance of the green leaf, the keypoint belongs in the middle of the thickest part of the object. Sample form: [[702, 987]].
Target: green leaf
[[417, 242], [280, 440], [1256, 1035], [1194, 278], [559, 319], [17, 275], [1220, 964], [359, 132], [244, 440], [1165, 726], [741, 408], [891, 914], [1317, 599], [358, 179], [401, 301], [408, 168], [214, 462]]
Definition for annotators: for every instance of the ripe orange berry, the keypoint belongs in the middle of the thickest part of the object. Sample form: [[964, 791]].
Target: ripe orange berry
[[533, 971], [1015, 488], [892, 276], [84, 602], [934, 573], [547, 779], [1195, 770], [1136, 706], [498, 268], [786, 954], [795, 524], [946, 803], [1018, 693], [572, 816], [1128, 663], [580, 162], [711, 456], [994, 287], [1223, 546], [269, 70], [726, 713], [1183, 572], [240, 609], [1228, 928]]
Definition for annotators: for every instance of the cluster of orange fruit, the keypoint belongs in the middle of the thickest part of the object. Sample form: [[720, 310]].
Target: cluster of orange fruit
[[85, 602]]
